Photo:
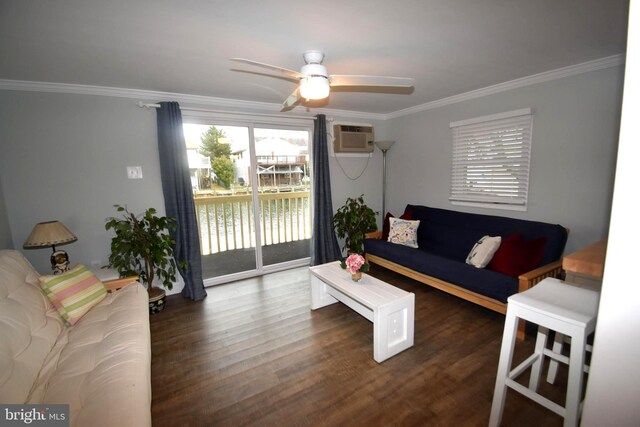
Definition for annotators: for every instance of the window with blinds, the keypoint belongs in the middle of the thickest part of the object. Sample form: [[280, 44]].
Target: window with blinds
[[491, 160]]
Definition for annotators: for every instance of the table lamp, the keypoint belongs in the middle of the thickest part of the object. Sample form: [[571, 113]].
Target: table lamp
[[52, 233]]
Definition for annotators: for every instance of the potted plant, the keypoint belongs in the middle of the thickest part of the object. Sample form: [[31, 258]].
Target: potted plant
[[352, 221], [143, 246], [356, 265]]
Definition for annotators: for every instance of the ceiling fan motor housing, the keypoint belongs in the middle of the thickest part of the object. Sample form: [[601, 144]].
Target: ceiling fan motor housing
[[310, 70], [313, 57]]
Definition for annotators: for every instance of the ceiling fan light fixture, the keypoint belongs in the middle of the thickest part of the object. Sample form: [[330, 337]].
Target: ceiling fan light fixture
[[314, 87], [314, 81]]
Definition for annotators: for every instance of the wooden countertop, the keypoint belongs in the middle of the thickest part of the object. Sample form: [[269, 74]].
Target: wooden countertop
[[588, 261]]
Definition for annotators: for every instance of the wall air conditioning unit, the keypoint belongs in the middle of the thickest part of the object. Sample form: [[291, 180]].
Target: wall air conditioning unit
[[352, 138]]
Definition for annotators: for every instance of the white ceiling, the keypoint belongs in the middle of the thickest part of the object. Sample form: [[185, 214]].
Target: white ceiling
[[183, 46]]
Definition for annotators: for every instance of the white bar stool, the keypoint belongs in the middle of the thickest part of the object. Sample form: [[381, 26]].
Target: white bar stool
[[553, 305]]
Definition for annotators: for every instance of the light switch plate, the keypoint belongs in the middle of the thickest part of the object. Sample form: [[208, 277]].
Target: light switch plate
[[134, 172]]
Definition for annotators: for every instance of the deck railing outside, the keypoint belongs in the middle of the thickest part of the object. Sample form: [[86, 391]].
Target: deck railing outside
[[226, 222], [281, 160]]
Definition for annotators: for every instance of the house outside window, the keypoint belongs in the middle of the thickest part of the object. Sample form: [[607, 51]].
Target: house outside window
[[491, 160]]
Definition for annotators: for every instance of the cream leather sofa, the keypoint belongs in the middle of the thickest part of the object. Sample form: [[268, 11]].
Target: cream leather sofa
[[100, 366]]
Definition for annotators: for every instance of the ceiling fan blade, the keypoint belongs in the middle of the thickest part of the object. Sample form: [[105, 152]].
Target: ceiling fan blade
[[292, 100], [273, 76], [346, 80], [271, 67]]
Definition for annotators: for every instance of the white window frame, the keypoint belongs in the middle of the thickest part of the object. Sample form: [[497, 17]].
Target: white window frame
[[491, 160]]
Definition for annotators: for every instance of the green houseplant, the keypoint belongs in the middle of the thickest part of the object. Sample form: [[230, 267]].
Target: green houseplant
[[352, 221], [142, 246]]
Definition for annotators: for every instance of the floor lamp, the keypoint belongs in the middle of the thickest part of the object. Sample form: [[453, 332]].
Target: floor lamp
[[384, 147]]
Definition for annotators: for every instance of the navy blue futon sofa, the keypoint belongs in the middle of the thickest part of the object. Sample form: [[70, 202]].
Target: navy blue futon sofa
[[446, 237]]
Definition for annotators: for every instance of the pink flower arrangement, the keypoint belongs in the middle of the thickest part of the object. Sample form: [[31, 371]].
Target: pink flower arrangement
[[355, 263]]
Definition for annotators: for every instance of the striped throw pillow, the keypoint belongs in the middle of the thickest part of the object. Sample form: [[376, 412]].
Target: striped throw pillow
[[74, 292]]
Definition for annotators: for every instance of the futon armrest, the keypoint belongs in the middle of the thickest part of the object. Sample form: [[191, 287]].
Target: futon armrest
[[115, 284], [373, 235], [533, 277]]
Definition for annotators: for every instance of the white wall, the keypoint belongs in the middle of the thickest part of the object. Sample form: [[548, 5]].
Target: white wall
[[614, 380], [64, 157], [575, 133]]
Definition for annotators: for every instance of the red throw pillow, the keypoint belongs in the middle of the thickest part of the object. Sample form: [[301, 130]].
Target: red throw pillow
[[386, 226], [516, 256]]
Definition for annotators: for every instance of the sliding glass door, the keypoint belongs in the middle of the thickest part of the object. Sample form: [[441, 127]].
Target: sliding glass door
[[282, 164], [252, 194]]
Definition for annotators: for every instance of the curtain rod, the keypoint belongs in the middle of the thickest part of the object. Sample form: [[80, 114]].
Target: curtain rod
[[205, 110]]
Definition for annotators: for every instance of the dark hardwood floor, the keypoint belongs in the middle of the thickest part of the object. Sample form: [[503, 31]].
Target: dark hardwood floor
[[253, 353]]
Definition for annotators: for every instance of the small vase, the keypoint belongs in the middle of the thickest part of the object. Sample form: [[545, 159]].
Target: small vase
[[356, 276]]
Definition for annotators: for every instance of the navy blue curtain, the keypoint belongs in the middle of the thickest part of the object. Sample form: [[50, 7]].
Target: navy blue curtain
[[178, 197], [324, 244]]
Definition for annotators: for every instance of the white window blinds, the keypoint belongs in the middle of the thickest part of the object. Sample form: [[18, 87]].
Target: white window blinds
[[491, 159]]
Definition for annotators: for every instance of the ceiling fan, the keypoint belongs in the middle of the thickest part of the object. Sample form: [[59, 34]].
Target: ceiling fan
[[315, 81]]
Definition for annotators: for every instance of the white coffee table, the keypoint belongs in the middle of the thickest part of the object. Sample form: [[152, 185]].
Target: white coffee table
[[390, 309]]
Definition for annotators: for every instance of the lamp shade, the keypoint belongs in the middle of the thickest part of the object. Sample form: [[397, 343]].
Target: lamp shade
[[49, 233], [384, 145], [314, 87]]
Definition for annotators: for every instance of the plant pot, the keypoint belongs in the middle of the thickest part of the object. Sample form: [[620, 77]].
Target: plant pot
[[157, 299]]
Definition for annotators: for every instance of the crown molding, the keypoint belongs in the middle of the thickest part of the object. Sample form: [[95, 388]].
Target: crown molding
[[572, 70], [147, 95], [350, 114], [181, 98], [235, 104]]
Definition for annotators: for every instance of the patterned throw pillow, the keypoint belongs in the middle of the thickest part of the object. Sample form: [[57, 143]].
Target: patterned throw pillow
[[386, 225], [403, 232], [74, 292], [482, 252]]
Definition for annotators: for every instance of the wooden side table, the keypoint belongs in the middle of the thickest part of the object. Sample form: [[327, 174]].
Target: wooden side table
[[112, 280], [585, 267], [117, 284], [105, 274]]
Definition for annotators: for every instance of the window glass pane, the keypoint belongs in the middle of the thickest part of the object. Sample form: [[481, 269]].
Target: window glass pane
[[282, 158], [223, 200]]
